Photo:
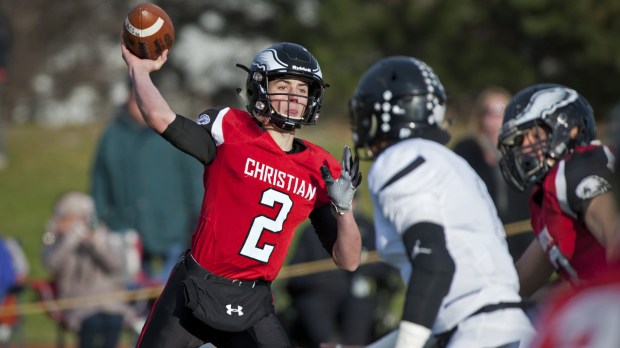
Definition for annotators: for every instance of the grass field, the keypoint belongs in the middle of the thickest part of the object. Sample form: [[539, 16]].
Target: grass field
[[43, 163]]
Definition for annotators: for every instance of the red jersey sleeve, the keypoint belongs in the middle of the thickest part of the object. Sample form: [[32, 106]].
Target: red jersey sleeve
[[256, 195]]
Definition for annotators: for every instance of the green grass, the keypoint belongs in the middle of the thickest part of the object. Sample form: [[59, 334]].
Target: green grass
[[42, 163]]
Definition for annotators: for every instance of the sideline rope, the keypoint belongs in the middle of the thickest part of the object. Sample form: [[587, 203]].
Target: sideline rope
[[151, 292], [518, 227], [77, 302]]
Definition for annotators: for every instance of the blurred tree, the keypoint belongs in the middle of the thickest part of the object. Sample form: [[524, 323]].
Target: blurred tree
[[470, 44]]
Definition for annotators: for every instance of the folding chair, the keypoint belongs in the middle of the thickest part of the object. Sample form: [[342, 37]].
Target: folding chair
[[10, 324], [46, 291]]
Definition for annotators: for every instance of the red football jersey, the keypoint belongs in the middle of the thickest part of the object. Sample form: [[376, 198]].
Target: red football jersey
[[582, 317], [255, 197], [558, 207]]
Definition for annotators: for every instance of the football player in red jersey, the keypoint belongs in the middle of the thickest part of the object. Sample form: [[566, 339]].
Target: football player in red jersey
[[548, 142], [261, 182], [584, 316]]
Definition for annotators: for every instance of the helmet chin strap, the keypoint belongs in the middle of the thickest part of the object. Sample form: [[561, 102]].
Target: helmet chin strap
[[280, 121], [283, 125]]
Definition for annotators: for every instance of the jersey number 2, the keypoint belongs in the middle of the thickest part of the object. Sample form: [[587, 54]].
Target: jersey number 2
[[250, 247]]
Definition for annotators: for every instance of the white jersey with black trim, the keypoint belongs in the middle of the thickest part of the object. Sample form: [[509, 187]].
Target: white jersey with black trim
[[418, 180]]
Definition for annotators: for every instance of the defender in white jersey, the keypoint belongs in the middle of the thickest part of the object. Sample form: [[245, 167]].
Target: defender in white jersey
[[434, 218]]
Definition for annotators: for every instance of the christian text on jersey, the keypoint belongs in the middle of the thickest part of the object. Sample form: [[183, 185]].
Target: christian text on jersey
[[278, 178]]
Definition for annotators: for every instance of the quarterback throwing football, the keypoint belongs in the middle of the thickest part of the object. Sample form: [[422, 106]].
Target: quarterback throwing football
[[260, 183]]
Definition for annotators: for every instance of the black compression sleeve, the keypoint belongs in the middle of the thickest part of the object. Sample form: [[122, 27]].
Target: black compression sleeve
[[191, 138], [325, 226], [432, 272]]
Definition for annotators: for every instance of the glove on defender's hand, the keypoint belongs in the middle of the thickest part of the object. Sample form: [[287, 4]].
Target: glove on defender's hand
[[341, 190]]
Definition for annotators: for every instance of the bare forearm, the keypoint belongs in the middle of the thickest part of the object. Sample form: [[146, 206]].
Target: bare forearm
[[348, 247], [613, 246], [154, 108], [533, 269], [603, 221]]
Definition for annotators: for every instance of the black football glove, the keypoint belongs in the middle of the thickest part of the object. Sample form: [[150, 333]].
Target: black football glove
[[342, 190]]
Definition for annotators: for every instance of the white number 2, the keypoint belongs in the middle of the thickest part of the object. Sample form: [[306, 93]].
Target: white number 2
[[250, 247]]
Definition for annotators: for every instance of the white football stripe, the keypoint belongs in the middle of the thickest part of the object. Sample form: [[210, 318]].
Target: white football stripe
[[146, 31], [545, 102]]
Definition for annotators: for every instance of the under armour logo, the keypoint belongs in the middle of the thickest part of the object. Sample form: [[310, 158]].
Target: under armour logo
[[230, 310], [417, 250]]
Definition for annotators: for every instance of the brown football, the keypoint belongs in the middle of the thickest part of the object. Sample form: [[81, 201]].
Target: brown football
[[148, 31]]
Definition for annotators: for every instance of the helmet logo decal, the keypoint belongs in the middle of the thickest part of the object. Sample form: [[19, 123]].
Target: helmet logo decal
[[546, 102], [295, 67], [271, 61], [270, 57], [203, 119], [257, 76], [592, 186]]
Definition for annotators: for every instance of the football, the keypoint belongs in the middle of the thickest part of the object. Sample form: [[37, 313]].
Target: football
[[148, 31]]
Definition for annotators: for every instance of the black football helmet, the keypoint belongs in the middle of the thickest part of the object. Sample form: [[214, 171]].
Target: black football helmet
[[555, 108], [399, 97], [284, 59]]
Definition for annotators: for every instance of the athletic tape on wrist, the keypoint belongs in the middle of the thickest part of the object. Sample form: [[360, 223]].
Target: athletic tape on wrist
[[412, 335]]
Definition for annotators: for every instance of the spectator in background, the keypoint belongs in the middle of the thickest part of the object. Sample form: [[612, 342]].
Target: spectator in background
[[480, 150], [8, 280], [141, 183], [8, 273], [14, 268], [78, 253], [18, 257], [336, 305]]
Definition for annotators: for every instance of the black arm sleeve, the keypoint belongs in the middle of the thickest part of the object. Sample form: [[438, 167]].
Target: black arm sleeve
[[191, 138], [325, 227], [432, 272], [587, 174]]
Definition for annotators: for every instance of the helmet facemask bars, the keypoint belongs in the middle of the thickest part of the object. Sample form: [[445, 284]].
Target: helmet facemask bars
[[284, 61], [523, 166], [548, 114]]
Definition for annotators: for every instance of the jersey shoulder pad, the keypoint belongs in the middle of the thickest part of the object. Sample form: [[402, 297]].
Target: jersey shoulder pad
[[228, 124], [588, 174], [207, 117]]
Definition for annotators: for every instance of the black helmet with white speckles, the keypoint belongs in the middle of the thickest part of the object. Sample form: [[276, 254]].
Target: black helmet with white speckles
[[399, 97]]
